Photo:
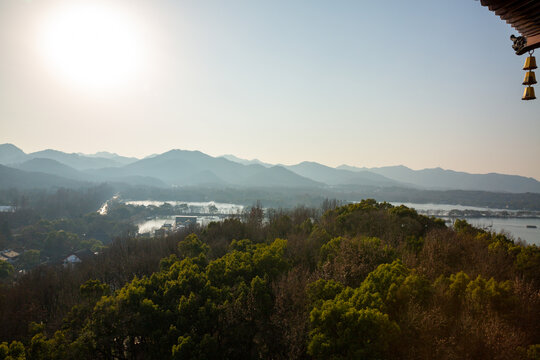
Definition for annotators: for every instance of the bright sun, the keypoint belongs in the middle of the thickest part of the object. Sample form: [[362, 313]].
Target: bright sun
[[92, 45]]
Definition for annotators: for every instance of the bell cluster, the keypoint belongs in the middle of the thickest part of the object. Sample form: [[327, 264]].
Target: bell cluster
[[530, 78]]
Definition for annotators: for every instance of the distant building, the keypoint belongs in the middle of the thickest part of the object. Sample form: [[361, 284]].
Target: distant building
[[71, 260], [84, 254], [10, 255], [163, 230], [160, 232], [184, 221], [78, 257]]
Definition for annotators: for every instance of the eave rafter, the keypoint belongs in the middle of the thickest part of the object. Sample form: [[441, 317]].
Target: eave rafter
[[522, 15]]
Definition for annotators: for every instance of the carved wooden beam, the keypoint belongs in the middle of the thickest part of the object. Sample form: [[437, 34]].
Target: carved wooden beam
[[524, 44]]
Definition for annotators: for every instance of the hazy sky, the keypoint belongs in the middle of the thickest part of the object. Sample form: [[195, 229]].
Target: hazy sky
[[422, 83]]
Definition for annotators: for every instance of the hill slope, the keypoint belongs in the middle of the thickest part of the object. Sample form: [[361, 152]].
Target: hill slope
[[15, 178], [438, 178], [53, 167], [331, 176], [75, 161], [244, 161], [124, 160], [10, 154], [181, 167]]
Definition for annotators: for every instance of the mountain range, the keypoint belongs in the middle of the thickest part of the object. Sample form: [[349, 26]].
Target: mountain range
[[194, 168], [441, 179]]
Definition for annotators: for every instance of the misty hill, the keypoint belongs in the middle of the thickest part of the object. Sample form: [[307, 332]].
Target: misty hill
[[332, 176], [438, 178], [181, 168], [124, 160], [244, 161], [10, 154], [194, 168], [78, 162], [328, 175], [279, 176], [53, 167], [135, 180], [15, 178]]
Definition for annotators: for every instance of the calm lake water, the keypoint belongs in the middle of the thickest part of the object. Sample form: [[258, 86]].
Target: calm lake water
[[194, 207], [154, 224], [222, 208], [516, 227]]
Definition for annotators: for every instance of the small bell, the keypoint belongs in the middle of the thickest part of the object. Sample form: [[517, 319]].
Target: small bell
[[530, 63], [528, 94], [530, 78]]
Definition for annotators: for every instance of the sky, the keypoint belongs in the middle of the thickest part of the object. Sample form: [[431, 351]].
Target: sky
[[420, 83]]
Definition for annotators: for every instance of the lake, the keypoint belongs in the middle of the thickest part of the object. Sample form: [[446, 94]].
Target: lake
[[514, 226], [193, 207], [201, 207], [154, 224]]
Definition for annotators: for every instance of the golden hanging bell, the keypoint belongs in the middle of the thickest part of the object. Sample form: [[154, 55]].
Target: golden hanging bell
[[528, 94], [530, 78], [530, 63]]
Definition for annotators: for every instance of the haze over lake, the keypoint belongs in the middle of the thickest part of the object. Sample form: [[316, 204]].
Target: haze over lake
[[512, 225], [515, 226]]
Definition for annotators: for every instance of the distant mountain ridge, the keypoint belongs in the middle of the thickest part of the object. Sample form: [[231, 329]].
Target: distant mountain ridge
[[441, 179], [15, 178], [12, 155], [183, 168], [75, 161], [52, 167], [124, 160], [244, 161], [331, 176], [194, 168]]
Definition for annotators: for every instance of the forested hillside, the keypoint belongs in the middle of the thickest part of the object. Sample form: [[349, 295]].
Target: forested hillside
[[361, 281]]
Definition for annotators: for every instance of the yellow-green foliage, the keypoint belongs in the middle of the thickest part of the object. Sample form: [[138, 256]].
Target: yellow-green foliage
[[191, 246], [6, 269], [479, 293], [533, 352], [357, 323], [13, 351], [528, 262], [341, 331], [364, 281], [179, 311]]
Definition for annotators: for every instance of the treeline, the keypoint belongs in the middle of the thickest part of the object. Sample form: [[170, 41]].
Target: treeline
[[47, 226], [57, 238], [366, 281], [119, 211], [289, 197], [494, 200], [274, 197], [58, 203]]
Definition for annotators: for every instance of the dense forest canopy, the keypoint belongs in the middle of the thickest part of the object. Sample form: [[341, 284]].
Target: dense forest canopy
[[366, 280]]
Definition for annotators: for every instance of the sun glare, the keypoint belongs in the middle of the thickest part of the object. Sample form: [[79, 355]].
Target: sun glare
[[92, 45]]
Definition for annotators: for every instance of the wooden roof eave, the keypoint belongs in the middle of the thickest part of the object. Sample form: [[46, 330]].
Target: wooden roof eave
[[522, 15], [533, 42]]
